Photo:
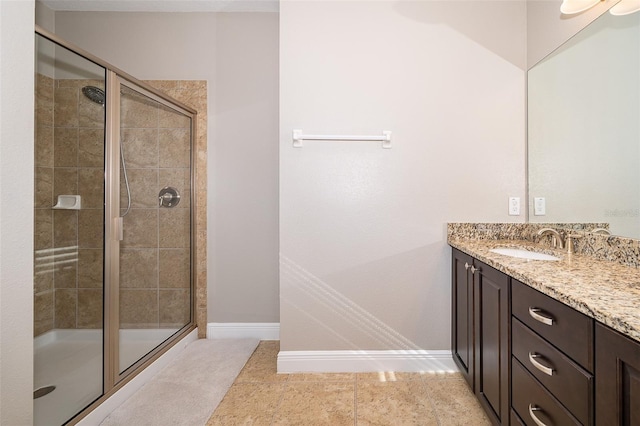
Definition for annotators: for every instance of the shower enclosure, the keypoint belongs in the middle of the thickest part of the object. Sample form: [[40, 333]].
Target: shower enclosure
[[113, 231]]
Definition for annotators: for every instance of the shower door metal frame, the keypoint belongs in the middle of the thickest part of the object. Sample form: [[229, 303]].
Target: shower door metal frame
[[114, 230], [113, 380]]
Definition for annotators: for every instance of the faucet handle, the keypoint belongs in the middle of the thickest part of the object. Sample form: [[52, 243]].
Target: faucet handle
[[569, 242]]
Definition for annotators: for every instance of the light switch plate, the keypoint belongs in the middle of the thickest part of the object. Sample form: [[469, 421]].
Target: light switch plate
[[539, 206], [514, 206]]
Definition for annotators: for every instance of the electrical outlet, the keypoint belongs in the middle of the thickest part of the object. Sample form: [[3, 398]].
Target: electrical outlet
[[514, 206], [539, 206]]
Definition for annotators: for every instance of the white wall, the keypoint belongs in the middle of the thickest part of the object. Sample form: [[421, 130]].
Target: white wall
[[237, 54], [364, 260], [16, 211], [245, 168]]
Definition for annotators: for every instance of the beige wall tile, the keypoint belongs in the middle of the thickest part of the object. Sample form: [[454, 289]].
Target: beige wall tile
[[175, 271], [65, 228], [72, 83], [43, 229], [141, 228], [66, 275], [43, 313], [65, 147], [44, 100], [66, 107], [164, 85], [44, 187], [44, 146], [90, 308], [90, 228], [65, 181], [140, 147], [90, 268], [174, 228], [144, 187], [175, 309], [139, 268], [170, 118], [138, 308], [191, 85], [91, 188], [43, 279], [137, 111], [65, 308], [174, 148], [91, 148]]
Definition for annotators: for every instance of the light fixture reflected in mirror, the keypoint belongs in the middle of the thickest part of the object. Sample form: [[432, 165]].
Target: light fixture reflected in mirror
[[625, 7], [570, 7]]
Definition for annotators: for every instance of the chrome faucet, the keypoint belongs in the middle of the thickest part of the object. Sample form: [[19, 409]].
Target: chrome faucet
[[556, 238]]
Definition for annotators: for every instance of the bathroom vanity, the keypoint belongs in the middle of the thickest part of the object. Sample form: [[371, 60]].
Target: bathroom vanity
[[546, 342]]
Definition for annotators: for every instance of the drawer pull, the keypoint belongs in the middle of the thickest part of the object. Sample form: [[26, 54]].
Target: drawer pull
[[466, 265], [537, 421], [474, 269], [536, 316], [546, 370]]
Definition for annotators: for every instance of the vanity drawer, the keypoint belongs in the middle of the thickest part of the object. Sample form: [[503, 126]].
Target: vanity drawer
[[530, 399], [568, 382], [563, 326]]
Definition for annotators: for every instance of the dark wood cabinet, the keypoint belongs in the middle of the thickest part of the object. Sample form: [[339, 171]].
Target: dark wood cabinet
[[617, 378], [552, 360], [492, 333], [531, 359], [462, 314], [480, 332]]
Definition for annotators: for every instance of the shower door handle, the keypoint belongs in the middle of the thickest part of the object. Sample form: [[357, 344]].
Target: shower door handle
[[119, 228]]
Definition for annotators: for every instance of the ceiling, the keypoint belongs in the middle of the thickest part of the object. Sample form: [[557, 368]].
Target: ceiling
[[163, 5]]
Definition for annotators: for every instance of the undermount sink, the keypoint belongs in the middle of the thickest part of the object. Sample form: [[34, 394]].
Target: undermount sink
[[523, 254]]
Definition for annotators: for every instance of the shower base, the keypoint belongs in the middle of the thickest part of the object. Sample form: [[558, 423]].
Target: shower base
[[71, 360]]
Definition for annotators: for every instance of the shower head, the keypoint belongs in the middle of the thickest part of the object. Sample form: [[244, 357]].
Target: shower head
[[94, 93]]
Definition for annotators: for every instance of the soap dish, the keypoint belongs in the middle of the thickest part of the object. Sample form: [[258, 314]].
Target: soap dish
[[68, 202]]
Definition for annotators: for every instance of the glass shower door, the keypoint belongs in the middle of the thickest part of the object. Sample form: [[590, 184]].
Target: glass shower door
[[68, 239], [155, 206]]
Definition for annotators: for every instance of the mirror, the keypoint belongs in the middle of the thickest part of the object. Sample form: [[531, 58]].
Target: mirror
[[584, 128]]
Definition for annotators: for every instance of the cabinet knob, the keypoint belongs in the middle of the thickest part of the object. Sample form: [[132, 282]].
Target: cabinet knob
[[466, 265], [538, 317], [532, 414], [474, 269], [546, 370]]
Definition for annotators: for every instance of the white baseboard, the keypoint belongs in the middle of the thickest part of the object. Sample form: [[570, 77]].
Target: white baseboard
[[239, 330], [365, 361]]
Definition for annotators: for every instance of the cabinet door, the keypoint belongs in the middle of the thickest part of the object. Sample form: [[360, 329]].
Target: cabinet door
[[617, 378], [492, 331], [462, 314]]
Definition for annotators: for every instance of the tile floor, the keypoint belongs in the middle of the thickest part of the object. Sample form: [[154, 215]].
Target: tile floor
[[260, 396]]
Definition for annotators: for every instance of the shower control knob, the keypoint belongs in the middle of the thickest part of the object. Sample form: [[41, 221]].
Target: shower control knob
[[168, 197]]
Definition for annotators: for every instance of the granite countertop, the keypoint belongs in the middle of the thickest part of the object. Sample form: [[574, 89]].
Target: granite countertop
[[606, 291]]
